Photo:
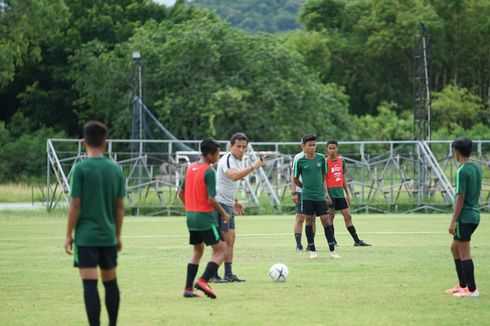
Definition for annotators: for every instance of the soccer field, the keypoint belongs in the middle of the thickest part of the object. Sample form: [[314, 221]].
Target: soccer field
[[400, 280]]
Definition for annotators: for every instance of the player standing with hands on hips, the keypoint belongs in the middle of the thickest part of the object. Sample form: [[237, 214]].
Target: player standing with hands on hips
[[229, 173], [96, 214]]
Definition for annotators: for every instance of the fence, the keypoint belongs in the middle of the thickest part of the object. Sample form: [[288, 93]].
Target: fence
[[390, 176]]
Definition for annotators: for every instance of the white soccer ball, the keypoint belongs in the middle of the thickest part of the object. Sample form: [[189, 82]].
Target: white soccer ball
[[279, 272]]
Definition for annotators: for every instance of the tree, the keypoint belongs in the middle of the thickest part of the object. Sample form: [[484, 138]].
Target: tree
[[371, 46], [205, 78], [457, 105]]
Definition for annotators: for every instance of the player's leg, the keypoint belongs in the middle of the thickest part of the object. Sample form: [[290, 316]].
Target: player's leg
[[86, 259], [309, 213], [322, 209], [462, 239], [344, 209], [298, 227], [331, 216], [192, 267], [230, 237], [108, 265], [298, 223], [459, 269], [214, 238], [224, 228]]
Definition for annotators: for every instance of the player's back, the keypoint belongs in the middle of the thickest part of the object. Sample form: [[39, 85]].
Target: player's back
[[468, 181], [99, 183]]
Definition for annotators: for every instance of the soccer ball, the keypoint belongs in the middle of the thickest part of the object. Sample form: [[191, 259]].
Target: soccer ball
[[279, 272]]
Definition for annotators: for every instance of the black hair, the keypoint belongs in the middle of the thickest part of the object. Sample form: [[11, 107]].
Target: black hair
[[333, 141], [95, 133], [463, 145], [209, 146], [238, 136], [307, 138]]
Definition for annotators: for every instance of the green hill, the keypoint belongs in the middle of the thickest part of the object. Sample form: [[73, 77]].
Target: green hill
[[257, 15]]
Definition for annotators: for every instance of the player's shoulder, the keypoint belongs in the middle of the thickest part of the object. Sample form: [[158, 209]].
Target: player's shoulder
[[298, 156], [225, 158], [320, 156]]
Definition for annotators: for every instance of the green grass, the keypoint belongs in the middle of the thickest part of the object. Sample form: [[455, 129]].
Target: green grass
[[399, 281], [17, 193]]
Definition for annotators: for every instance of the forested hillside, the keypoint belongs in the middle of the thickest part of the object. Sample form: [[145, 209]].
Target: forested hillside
[[269, 16], [347, 74]]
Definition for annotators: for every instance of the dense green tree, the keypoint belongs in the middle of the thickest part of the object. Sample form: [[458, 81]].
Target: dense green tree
[[371, 42], [25, 27], [457, 105], [42, 88], [205, 78]]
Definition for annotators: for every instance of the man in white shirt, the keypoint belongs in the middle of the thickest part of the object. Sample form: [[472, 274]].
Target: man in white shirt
[[229, 173]]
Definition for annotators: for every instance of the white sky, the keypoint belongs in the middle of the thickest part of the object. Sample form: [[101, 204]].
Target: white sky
[[165, 2]]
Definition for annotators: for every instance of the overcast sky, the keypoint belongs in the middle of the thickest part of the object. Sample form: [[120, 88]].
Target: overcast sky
[[166, 2]]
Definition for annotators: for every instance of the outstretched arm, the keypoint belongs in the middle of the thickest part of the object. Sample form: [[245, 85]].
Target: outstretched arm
[[236, 175]]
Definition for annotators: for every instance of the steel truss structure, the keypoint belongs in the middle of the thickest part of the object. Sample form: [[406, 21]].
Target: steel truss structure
[[390, 176]]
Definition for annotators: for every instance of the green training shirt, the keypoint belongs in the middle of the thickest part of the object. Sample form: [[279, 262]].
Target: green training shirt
[[468, 182], [98, 182], [201, 221], [312, 172]]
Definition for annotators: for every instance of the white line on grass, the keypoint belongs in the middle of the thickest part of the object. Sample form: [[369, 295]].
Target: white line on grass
[[238, 235]]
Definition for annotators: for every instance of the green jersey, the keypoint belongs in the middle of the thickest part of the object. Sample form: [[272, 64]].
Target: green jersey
[[202, 221], [468, 182], [312, 172], [98, 182]]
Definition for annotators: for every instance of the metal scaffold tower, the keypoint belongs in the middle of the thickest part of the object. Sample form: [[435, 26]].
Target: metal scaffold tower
[[422, 69]]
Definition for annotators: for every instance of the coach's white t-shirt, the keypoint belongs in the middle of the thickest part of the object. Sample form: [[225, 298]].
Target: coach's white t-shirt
[[226, 189]]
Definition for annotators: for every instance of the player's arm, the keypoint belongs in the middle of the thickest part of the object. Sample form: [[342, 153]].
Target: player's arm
[[73, 215], [119, 221], [236, 175], [346, 187], [325, 172], [298, 182], [120, 210], [461, 180], [293, 189], [181, 192], [346, 190], [210, 181], [238, 207], [457, 212]]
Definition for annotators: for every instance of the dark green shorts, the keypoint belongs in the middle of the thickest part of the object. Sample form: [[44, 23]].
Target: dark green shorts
[[209, 237], [91, 257], [464, 231]]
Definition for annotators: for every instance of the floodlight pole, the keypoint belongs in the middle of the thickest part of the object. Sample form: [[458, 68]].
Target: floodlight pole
[[138, 97], [426, 72]]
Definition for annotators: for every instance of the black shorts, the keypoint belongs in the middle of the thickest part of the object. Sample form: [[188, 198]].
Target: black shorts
[[209, 237], [464, 231], [314, 207], [91, 257], [339, 204], [297, 207]]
